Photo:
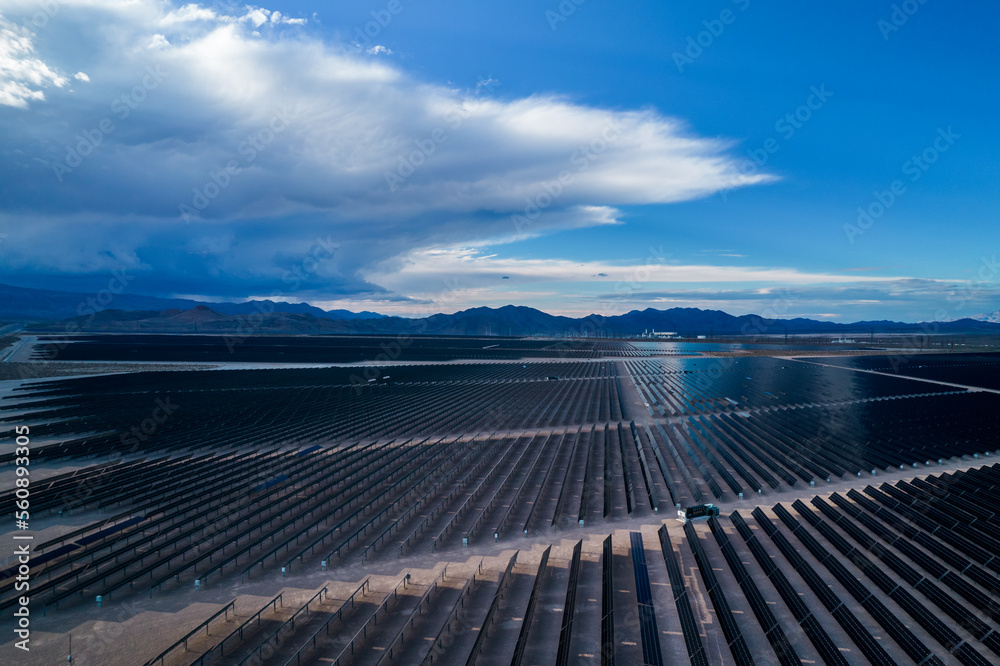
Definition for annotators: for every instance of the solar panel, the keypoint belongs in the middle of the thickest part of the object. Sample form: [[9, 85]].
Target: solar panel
[[689, 627], [649, 635], [723, 612]]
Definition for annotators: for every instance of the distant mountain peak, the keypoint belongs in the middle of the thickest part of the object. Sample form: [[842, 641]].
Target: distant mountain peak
[[135, 312], [29, 303], [991, 317]]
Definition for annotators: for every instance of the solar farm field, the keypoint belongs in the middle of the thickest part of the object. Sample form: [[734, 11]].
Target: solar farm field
[[981, 369], [511, 511], [319, 349]]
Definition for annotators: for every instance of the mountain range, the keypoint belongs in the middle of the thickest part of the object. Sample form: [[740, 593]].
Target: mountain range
[[992, 317], [26, 303], [69, 311]]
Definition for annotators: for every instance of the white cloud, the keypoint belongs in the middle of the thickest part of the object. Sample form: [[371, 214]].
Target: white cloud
[[158, 42], [82, 76], [277, 17], [23, 76], [313, 129], [187, 14], [463, 287], [256, 16], [433, 266], [359, 120]]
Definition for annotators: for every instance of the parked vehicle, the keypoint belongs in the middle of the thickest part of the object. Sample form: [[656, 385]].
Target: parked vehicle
[[699, 511]]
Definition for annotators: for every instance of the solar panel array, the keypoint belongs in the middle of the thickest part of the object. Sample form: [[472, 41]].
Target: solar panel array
[[255, 474], [893, 551], [772, 449], [177, 411], [689, 626], [211, 516], [783, 650], [858, 578], [247, 348], [978, 369], [730, 626], [674, 387]]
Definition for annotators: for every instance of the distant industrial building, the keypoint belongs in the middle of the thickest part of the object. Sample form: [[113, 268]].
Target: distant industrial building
[[659, 334]]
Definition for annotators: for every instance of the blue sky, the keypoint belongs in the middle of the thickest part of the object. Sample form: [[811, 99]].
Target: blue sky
[[591, 157]]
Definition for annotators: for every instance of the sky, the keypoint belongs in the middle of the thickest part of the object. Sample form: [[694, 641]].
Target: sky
[[832, 161]]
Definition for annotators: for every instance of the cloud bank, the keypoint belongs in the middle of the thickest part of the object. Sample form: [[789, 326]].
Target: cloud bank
[[209, 149]]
